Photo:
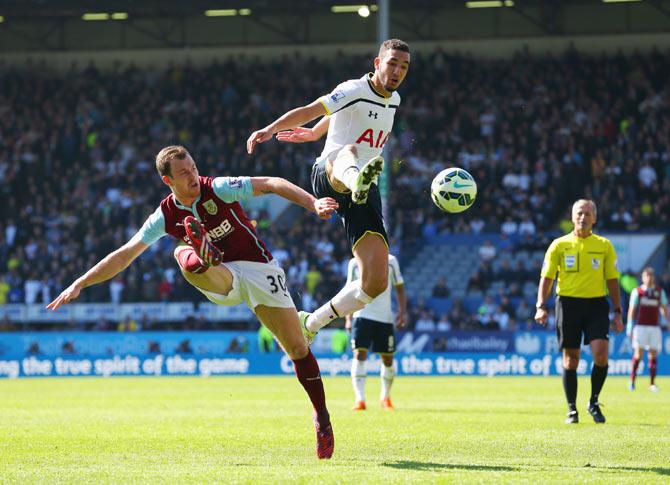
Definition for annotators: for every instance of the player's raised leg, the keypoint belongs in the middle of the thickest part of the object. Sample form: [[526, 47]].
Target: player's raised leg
[[283, 323], [356, 175], [217, 279], [371, 252]]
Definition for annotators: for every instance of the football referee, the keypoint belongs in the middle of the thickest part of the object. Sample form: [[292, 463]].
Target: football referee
[[586, 265]]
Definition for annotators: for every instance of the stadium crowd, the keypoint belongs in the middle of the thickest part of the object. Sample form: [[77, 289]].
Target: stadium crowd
[[77, 176]]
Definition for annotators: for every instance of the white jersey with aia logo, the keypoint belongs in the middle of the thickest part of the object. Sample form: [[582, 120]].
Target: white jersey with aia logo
[[379, 309], [359, 116]]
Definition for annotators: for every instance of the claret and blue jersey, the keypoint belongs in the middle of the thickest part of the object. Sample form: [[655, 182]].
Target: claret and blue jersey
[[218, 209]]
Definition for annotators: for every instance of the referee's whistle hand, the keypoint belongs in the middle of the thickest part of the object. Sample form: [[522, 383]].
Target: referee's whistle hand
[[541, 316], [617, 323]]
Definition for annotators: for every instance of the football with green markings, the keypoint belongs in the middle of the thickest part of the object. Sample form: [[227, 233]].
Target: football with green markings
[[453, 190]]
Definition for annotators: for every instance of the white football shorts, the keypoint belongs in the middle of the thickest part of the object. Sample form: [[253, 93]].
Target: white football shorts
[[647, 337], [255, 284]]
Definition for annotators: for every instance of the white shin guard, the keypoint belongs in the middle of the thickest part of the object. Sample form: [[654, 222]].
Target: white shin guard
[[350, 299]]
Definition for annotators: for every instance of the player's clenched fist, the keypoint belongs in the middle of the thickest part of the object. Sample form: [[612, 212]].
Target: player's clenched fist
[[325, 207], [541, 316]]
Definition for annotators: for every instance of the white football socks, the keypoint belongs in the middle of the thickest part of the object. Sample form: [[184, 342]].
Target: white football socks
[[345, 168], [350, 299], [387, 374], [358, 375]]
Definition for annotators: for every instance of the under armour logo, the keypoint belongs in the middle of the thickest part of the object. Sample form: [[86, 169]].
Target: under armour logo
[[372, 114]]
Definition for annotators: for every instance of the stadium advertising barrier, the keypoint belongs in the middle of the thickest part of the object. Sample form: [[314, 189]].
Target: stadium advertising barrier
[[91, 312], [237, 353]]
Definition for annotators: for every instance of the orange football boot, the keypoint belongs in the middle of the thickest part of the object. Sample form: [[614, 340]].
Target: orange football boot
[[359, 406]]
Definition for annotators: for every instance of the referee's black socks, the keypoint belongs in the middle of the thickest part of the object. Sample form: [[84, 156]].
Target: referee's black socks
[[598, 376], [570, 387]]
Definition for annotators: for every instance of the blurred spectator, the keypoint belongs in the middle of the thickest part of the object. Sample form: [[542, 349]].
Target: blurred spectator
[[485, 313], [501, 318], [128, 324], [524, 313], [425, 323], [184, 347], [440, 290], [457, 315], [487, 251], [443, 325], [238, 344]]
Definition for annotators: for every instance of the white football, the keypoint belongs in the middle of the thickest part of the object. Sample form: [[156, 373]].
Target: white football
[[453, 190]]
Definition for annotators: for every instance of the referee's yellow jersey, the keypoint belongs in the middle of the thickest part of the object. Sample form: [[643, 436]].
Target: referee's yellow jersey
[[583, 265]]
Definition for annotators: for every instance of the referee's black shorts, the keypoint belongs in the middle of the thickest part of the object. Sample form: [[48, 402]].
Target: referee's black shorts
[[358, 218], [581, 316]]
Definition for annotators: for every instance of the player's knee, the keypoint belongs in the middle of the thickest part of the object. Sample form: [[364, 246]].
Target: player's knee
[[360, 354], [570, 361], [374, 286], [297, 350]]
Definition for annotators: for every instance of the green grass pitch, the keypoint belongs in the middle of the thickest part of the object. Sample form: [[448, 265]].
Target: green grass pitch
[[259, 430]]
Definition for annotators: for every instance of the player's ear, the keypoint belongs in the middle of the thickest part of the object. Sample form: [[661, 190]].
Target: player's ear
[[376, 62], [166, 180]]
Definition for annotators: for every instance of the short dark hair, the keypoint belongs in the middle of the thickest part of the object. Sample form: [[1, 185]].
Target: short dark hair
[[391, 44], [165, 157]]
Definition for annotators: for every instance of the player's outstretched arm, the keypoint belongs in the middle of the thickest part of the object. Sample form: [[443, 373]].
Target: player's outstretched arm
[[301, 134], [291, 119], [107, 268], [276, 185]]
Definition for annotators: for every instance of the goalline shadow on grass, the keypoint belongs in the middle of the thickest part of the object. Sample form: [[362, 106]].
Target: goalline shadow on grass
[[433, 467]]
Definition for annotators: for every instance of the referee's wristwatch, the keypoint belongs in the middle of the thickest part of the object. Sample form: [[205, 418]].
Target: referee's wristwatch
[[618, 310], [541, 306]]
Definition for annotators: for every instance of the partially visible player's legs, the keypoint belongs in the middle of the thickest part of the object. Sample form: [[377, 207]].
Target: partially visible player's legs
[[283, 323], [600, 350], [358, 377], [371, 253], [637, 357], [387, 374], [216, 279], [653, 363], [570, 363]]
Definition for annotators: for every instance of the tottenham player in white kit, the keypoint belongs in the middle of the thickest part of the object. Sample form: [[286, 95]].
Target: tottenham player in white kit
[[358, 115], [372, 328]]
